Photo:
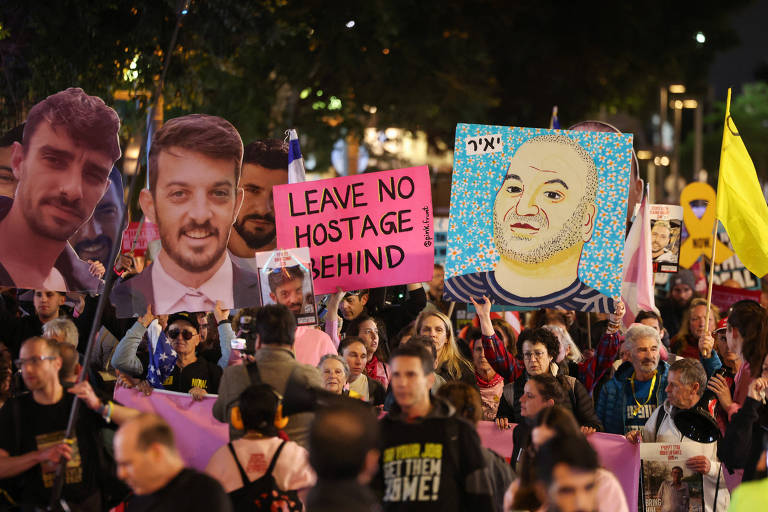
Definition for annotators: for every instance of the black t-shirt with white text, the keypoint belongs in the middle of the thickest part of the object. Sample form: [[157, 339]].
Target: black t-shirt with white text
[[434, 464], [42, 426], [202, 374]]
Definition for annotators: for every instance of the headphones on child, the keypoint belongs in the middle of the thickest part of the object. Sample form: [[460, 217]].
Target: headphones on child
[[279, 421]]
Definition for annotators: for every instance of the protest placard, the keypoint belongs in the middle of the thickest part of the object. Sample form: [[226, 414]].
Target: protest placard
[[362, 231], [537, 217], [137, 236], [286, 278], [666, 225], [667, 485]]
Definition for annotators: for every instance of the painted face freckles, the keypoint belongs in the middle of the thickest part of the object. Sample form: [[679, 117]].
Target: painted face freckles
[[543, 206], [194, 206]]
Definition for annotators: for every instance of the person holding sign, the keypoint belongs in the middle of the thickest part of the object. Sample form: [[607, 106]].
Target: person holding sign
[[69, 146], [686, 382], [193, 197]]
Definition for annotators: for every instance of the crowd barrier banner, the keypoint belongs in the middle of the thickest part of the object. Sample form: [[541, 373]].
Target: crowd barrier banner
[[198, 433], [362, 231], [616, 454]]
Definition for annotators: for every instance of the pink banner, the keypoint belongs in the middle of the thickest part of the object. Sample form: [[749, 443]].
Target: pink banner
[[363, 231], [616, 454], [198, 433]]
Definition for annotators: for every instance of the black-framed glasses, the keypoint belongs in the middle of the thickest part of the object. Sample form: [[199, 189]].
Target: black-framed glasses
[[174, 333], [32, 361]]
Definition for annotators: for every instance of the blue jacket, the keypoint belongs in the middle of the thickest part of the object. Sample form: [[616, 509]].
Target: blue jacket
[[610, 405]]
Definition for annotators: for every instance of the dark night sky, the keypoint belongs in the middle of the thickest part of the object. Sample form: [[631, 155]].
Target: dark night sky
[[737, 65]]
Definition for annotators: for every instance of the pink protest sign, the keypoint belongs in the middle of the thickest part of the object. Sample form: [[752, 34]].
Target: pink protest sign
[[362, 231], [616, 454], [139, 243], [198, 434]]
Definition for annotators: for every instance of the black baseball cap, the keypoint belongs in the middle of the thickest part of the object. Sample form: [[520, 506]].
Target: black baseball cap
[[190, 318]]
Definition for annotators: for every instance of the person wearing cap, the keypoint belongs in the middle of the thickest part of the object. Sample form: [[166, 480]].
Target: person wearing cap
[[680, 420], [681, 292], [190, 374]]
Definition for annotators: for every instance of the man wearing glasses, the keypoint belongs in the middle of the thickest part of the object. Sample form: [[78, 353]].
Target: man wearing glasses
[[189, 374], [32, 429]]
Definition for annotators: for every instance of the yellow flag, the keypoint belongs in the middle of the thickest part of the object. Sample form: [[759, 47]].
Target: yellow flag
[[740, 202]]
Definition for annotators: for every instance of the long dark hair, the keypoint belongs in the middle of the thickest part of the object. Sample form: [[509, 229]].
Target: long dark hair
[[752, 322], [382, 351]]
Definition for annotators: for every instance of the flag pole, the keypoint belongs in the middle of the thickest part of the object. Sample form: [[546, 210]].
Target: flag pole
[[711, 279]]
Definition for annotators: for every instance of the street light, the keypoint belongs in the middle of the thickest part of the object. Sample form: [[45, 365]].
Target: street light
[[677, 89]]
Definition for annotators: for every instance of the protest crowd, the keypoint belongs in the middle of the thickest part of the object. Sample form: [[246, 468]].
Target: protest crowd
[[203, 386]]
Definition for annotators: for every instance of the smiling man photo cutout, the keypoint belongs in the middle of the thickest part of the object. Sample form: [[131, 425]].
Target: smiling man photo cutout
[[68, 148], [194, 198], [543, 214]]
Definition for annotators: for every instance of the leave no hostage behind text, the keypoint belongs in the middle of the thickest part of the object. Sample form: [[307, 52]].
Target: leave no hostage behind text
[[352, 227]]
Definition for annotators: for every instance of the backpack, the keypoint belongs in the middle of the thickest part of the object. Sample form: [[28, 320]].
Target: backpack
[[263, 493]]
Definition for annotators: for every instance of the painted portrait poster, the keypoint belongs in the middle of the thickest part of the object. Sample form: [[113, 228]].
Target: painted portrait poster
[[537, 217], [194, 195], [286, 278]]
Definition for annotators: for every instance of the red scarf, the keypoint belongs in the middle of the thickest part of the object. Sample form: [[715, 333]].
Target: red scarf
[[372, 370], [482, 383]]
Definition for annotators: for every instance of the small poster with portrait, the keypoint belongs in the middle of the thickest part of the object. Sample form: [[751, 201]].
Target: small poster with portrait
[[666, 483], [286, 278], [666, 225]]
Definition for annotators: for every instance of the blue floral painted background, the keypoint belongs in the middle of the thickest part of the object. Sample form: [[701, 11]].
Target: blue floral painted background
[[476, 178]]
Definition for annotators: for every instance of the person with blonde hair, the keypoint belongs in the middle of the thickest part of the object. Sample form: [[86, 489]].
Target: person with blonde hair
[[451, 365], [692, 327]]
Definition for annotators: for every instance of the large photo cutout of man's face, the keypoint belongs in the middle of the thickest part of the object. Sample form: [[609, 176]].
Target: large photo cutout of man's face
[[265, 165], [536, 219], [94, 240], [62, 166], [194, 198]]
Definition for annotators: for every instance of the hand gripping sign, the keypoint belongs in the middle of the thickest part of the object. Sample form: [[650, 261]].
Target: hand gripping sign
[[362, 231]]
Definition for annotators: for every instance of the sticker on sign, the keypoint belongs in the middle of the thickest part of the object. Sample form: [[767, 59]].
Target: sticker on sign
[[484, 144]]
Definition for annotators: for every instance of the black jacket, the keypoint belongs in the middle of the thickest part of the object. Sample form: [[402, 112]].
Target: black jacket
[[742, 445], [131, 297]]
